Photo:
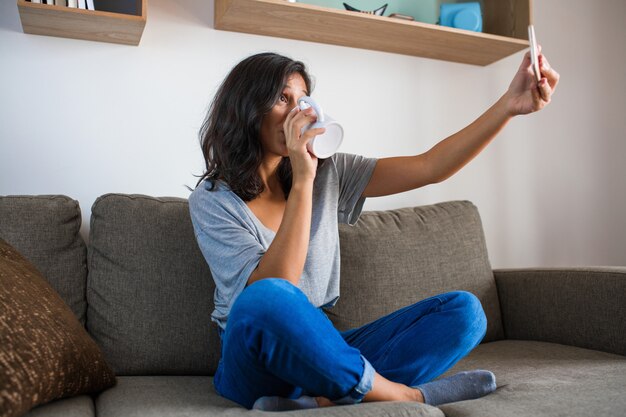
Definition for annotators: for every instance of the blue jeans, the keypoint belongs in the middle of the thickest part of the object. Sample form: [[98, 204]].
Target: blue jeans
[[276, 343]]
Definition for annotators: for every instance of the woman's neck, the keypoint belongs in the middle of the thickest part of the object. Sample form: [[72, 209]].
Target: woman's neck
[[268, 172]]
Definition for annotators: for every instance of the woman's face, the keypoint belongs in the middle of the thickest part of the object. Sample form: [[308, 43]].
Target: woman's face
[[272, 135]]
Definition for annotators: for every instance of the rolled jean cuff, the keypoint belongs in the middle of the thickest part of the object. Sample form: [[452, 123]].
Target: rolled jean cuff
[[364, 386]]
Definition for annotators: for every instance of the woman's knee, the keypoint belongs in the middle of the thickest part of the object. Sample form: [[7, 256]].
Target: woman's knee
[[264, 299], [471, 316]]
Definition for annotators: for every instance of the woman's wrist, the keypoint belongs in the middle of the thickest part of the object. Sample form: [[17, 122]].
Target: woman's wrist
[[302, 184], [506, 107], [303, 174]]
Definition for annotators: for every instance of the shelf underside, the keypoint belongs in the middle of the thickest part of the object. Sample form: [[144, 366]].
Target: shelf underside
[[280, 18]]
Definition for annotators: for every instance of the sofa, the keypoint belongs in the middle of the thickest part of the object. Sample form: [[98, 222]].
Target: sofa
[[556, 338]]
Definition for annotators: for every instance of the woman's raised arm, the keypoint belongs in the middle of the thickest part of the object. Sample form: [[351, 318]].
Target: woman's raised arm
[[525, 95]]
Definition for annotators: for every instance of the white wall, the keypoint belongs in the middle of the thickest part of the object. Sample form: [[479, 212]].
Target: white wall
[[86, 118]]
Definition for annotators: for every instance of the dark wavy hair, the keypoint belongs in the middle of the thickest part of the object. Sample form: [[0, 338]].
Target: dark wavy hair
[[230, 134]]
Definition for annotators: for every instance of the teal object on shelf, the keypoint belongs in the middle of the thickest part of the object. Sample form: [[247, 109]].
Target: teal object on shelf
[[462, 16], [426, 11]]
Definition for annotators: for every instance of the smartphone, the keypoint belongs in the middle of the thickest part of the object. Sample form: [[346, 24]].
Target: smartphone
[[534, 56]]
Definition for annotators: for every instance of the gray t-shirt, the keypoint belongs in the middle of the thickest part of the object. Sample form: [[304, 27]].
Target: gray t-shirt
[[233, 240]]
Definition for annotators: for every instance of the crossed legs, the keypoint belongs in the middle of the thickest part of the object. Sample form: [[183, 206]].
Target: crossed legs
[[278, 344]]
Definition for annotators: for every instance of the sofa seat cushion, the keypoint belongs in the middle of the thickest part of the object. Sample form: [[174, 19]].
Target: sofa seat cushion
[[81, 406], [394, 258], [189, 396], [545, 379]]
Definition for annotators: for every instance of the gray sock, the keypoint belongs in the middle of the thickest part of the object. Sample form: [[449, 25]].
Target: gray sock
[[459, 387], [284, 404]]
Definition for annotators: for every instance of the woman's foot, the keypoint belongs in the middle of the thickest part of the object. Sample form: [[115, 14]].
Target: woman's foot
[[324, 402], [284, 404], [459, 387], [386, 390], [463, 386]]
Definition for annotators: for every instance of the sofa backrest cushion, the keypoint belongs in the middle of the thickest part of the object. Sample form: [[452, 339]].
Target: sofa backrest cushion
[[391, 259], [45, 230], [150, 291]]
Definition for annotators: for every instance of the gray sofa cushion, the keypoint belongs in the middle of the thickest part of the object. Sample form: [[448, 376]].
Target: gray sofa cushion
[[150, 291], [80, 406], [45, 230], [191, 396], [581, 307], [394, 258], [537, 379]]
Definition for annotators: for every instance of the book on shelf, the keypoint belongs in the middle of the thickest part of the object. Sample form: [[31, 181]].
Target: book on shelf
[[81, 4]]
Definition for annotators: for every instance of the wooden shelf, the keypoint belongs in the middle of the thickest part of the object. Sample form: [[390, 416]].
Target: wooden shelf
[[505, 23], [95, 25]]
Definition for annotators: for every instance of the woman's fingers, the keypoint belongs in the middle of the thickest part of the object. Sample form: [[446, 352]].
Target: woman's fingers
[[311, 133], [287, 123], [548, 71], [294, 123], [549, 79], [526, 60], [545, 90], [300, 120]]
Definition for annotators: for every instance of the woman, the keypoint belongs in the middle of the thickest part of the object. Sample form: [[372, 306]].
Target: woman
[[265, 215]]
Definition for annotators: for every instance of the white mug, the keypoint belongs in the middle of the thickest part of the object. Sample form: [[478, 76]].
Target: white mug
[[326, 144]]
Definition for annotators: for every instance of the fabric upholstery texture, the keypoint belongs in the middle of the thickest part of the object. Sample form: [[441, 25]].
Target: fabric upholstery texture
[[79, 406], [534, 379], [45, 230], [150, 291], [151, 297], [192, 396], [45, 353], [578, 307], [393, 258], [539, 379]]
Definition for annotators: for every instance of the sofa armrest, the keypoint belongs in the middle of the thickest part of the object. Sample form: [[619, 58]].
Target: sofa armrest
[[584, 307]]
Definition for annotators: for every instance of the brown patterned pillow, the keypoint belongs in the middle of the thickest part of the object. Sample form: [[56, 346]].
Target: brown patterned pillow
[[45, 353]]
